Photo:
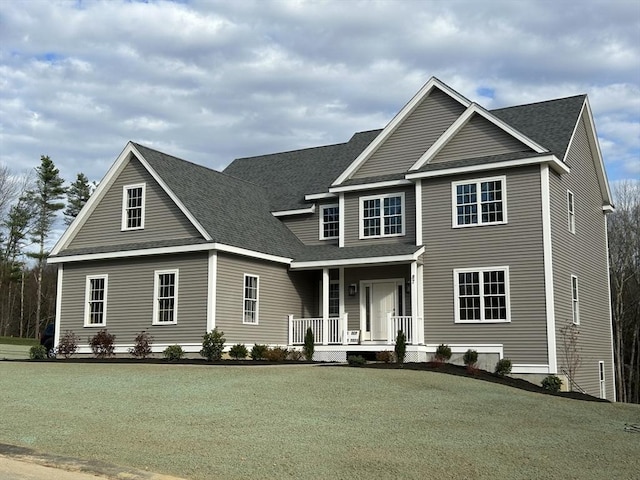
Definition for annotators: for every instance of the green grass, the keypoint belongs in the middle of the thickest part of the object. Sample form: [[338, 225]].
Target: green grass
[[18, 341], [206, 422]]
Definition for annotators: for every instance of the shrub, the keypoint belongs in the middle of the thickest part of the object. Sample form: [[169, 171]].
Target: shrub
[[173, 353], [102, 344], [296, 355], [38, 352], [259, 352], [142, 345], [443, 353], [503, 367], [385, 356], [401, 347], [68, 344], [470, 358], [309, 342], [552, 383], [356, 360], [276, 354], [213, 345], [238, 351]]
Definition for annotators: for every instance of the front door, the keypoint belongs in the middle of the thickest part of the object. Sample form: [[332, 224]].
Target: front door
[[379, 299]]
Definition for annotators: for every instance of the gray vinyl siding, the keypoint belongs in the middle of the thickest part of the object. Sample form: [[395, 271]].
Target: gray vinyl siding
[[479, 138], [583, 254], [280, 293], [307, 227], [352, 217], [517, 244], [414, 136], [130, 298], [163, 219]]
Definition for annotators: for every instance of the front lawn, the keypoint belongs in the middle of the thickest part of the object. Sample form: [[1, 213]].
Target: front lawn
[[205, 422]]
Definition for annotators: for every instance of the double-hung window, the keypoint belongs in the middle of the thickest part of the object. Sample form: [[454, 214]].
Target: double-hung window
[[165, 302], [482, 295], [575, 305], [382, 216], [250, 299], [133, 199], [571, 214], [329, 222], [479, 202], [95, 314]]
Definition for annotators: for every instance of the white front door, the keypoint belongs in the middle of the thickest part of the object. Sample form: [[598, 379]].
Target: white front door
[[379, 299]]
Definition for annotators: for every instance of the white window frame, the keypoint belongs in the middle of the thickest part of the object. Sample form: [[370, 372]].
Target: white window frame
[[575, 300], [382, 217], [478, 182], [571, 211], [602, 380], [256, 300], [322, 223], [125, 198], [87, 300], [481, 271], [156, 296]]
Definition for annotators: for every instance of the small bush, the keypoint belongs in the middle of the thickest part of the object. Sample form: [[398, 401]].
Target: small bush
[[68, 344], [385, 356], [552, 383], [276, 354], [102, 344], [38, 352], [503, 367], [142, 345], [401, 347], [296, 355], [238, 351], [356, 360], [470, 358], [259, 352], [309, 346], [213, 345], [173, 353], [443, 353]]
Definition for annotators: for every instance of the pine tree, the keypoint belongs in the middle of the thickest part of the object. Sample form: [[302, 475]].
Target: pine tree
[[77, 195], [44, 200]]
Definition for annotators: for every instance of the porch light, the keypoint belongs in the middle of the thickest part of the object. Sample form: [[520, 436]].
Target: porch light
[[353, 289]]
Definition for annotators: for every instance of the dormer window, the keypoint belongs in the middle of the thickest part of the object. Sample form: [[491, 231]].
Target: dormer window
[[133, 207]]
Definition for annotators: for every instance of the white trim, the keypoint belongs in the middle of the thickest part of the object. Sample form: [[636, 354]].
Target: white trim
[[257, 299], [341, 309], [602, 379], [381, 197], [356, 261], [478, 182], [419, 231], [571, 212], [299, 211], [341, 206], [524, 368], [56, 334], [480, 271], [320, 196], [321, 221], [608, 209], [413, 281], [396, 122], [613, 364], [87, 300], [462, 120], [463, 347], [547, 252], [156, 286], [125, 203], [552, 160], [371, 186], [575, 301], [212, 289]]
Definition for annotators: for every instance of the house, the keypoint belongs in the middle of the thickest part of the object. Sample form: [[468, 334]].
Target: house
[[480, 229]]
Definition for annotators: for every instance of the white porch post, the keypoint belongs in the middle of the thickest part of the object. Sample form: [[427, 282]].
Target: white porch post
[[391, 335], [420, 321], [325, 306], [341, 313], [414, 300], [290, 329]]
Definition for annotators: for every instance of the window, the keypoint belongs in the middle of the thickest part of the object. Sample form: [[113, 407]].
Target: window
[[329, 222], [479, 202], [250, 300], [382, 216], [603, 386], [165, 304], [133, 207], [575, 307], [95, 314], [482, 295], [571, 212], [334, 299]]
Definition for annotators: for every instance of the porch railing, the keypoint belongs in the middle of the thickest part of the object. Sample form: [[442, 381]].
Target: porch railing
[[412, 327], [331, 332]]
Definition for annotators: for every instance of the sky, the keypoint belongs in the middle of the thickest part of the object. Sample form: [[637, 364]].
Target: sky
[[210, 81]]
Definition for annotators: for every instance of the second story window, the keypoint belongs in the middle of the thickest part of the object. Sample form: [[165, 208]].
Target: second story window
[[133, 207], [479, 202], [329, 222], [382, 216]]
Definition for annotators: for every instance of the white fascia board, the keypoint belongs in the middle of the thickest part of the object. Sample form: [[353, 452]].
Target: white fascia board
[[299, 211], [371, 186], [320, 196], [395, 123], [608, 209], [552, 160], [346, 262], [251, 253]]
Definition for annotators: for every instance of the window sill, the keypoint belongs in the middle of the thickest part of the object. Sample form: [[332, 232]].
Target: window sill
[[480, 225], [481, 321], [94, 325], [164, 323], [362, 237]]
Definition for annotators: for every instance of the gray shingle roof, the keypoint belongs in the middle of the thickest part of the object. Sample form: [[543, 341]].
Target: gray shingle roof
[[333, 252], [132, 246]]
